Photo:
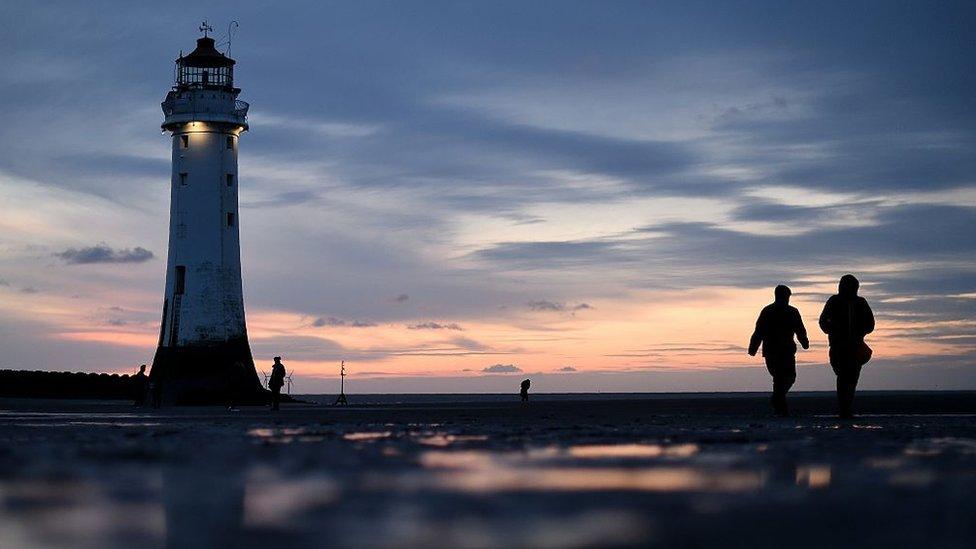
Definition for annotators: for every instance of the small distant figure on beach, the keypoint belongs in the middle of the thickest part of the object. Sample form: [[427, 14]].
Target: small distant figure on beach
[[777, 324], [139, 387], [276, 382], [846, 319], [524, 392]]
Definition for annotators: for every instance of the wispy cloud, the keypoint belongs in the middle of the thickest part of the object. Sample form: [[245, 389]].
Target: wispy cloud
[[341, 322], [552, 306], [502, 369], [102, 253], [434, 326]]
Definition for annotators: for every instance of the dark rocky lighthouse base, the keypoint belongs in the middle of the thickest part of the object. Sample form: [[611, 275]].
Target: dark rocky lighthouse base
[[217, 373]]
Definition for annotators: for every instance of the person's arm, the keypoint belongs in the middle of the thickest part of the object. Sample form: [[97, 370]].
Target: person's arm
[[757, 335], [825, 317], [801, 331]]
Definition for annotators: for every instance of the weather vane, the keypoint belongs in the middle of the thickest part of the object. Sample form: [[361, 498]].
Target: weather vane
[[205, 28]]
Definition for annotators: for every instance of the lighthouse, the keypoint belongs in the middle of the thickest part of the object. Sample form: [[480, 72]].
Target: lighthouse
[[203, 353]]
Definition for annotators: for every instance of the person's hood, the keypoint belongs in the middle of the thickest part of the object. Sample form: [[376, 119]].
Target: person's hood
[[848, 286]]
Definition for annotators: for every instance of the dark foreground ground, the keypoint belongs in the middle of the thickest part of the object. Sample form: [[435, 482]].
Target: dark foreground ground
[[689, 471]]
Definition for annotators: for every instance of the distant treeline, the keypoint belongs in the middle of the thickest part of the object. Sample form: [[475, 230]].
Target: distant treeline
[[38, 384]]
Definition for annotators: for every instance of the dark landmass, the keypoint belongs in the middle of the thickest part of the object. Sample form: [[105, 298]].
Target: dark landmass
[[659, 471], [78, 385], [36, 384]]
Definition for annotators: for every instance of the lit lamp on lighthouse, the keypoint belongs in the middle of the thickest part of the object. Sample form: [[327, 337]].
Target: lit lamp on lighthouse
[[203, 353]]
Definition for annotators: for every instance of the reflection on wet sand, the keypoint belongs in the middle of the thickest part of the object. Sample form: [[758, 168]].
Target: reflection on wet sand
[[587, 479], [813, 476], [367, 435], [274, 501], [204, 503], [440, 479], [604, 451], [73, 512], [482, 471]]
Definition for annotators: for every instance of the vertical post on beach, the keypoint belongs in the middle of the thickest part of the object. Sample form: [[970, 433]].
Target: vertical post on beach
[[342, 386]]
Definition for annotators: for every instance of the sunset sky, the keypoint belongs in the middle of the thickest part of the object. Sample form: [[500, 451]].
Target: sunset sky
[[454, 196]]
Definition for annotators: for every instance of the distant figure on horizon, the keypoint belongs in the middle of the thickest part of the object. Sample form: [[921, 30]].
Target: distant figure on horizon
[[276, 382], [846, 319], [777, 324], [139, 387], [525, 390]]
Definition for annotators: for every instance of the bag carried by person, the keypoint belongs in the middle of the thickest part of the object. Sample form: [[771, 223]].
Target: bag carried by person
[[862, 353]]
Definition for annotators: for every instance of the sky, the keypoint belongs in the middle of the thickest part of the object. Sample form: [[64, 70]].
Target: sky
[[453, 196]]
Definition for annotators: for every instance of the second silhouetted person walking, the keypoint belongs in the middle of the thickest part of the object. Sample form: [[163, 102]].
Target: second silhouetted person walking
[[846, 319], [777, 324]]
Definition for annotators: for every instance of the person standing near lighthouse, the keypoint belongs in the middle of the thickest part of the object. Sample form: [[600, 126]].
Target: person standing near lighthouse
[[203, 353], [276, 382]]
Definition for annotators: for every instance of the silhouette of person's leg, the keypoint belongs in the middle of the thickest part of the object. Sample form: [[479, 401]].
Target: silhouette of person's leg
[[787, 377], [846, 388], [848, 373], [783, 370]]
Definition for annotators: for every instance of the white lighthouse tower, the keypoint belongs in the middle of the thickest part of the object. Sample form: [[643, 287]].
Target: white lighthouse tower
[[203, 353]]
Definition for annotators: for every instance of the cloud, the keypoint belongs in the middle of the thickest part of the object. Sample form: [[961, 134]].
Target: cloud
[[102, 253], [502, 369], [339, 322], [282, 199], [567, 369], [29, 290], [544, 305], [469, 344], [434, 326], [552, 306], [402, 298]]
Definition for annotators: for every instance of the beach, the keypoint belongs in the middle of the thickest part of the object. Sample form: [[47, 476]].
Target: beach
[[486, 471]]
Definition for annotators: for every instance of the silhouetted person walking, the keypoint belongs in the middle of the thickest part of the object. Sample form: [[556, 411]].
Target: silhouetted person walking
[[525, 390], [139, 383], [777, 324], [846, 319], [276, 382]]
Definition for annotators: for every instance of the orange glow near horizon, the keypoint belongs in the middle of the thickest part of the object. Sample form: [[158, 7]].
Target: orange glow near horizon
[[700, 330]]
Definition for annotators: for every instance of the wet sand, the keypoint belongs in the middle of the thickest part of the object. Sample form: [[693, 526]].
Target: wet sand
[[689, 470]]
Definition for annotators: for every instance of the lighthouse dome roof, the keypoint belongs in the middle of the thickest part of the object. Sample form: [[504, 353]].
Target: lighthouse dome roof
[[205, 55]]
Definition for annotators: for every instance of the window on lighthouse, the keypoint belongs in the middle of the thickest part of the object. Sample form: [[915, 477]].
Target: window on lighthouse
[[230, 180], [230, 143], [230, 219], [185, 141], [183, 179]]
